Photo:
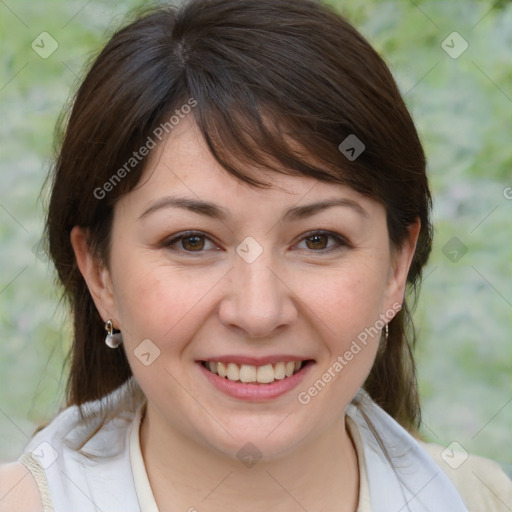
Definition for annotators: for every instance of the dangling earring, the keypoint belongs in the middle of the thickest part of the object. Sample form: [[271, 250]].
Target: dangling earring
[[386, 336], [112, 340]]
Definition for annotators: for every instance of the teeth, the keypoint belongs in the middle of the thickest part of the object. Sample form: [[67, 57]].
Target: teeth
[[233, 371], [265, 374], [222, 369], [249, 373], [279, 372]]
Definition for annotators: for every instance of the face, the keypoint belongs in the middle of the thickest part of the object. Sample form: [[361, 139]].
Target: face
[[253, 282]]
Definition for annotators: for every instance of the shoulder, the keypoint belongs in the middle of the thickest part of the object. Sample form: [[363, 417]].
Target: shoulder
[[91, 444], [18, 489], [481, 482]]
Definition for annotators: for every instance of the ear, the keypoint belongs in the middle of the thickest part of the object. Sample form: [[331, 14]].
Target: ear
[[401, 259], [96, 275]]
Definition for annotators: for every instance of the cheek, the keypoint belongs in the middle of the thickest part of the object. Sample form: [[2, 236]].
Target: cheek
[[160, 302], [348, 307], [346, 300]]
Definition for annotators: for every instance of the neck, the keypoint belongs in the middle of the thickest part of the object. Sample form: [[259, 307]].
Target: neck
[[185, 475]]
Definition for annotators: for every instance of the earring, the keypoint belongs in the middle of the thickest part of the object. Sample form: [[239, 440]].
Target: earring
[[112, 340], [386, 337]]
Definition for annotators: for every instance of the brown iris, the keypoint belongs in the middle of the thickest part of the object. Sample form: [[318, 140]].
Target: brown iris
[[316, 237], [197, 242]]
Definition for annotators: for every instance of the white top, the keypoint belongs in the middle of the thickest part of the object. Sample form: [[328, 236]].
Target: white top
[[109, 474], [142, 486]]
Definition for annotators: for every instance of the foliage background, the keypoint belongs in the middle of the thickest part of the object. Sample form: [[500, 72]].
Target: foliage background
[[462, 108]]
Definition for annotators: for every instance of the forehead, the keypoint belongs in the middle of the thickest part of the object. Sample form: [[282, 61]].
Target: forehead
[[182, 165]]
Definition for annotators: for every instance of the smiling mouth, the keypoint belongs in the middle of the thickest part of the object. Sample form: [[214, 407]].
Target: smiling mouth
[[246, 373]]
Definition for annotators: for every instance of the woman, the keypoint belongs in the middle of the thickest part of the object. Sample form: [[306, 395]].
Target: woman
[[238, 208]]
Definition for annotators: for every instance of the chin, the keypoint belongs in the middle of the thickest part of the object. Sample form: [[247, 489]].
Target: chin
[[256, 440]]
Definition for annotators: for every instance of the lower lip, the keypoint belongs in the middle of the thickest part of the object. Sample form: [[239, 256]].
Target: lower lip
[[256, 392]]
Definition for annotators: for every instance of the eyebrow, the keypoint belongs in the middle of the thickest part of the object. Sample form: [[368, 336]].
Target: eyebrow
[[215, 211]]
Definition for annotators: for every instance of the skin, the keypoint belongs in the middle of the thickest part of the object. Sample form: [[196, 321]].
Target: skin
[[296, 297]]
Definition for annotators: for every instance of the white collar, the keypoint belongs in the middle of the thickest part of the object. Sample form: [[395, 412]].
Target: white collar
[[143, 489], [413, 482]]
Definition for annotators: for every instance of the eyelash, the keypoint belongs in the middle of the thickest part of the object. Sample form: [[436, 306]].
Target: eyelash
[[341, 241]]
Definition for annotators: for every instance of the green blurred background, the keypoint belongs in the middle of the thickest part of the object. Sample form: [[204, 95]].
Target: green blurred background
[[462, 107]]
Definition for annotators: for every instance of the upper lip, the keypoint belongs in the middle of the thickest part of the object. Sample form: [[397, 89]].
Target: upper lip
[[256, 361]]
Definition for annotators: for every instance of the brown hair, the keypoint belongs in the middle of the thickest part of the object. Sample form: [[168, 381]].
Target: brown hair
[[268, 77]]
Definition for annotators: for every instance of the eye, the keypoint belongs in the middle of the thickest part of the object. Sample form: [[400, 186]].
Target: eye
[[316, 241], [191, 242]]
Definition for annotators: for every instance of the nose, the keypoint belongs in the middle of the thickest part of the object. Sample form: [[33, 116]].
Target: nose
[[258, 299]]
